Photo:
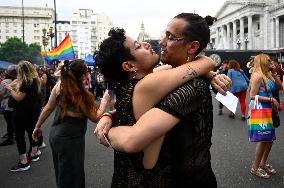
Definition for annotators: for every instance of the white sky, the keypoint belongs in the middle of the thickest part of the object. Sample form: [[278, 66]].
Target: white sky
[[129, 14]]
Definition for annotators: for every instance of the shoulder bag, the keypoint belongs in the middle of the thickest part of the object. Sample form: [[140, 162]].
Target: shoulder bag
[[275, 115]]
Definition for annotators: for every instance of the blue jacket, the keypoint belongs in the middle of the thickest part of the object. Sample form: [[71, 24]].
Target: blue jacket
[[239, 80]]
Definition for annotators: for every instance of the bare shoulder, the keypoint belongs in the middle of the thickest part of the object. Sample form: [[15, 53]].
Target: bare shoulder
[[256, 77], [145, 83]]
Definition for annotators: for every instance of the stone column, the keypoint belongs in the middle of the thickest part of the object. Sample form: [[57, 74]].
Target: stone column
[[250, 33], [272, 34], [228, 36], [263, 30], [217, 38], [242, 33], [277, 38], [235, 35], [223, 37]]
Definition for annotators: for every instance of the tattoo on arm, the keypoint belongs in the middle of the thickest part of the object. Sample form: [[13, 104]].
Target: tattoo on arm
[[190, 73]]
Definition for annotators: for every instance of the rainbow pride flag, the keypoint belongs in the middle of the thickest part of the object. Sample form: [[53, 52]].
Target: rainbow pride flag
[[64, 51]]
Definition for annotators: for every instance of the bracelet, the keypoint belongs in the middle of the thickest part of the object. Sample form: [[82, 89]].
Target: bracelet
[[108, 114], [270, 99]]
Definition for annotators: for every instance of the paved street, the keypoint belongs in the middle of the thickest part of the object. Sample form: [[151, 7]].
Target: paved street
[[231, 159]]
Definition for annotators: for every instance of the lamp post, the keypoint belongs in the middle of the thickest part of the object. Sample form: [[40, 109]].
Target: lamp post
[[51, 35], [23, 21], [246, 42], [55, 22], [44, 42], [238, 43]]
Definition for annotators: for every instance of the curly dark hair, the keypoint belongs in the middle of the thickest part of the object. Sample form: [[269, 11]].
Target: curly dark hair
[[197, 28], [111, 54], [72, 90]]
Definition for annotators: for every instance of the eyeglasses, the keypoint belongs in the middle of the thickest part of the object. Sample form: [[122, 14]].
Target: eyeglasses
[[170, 37]]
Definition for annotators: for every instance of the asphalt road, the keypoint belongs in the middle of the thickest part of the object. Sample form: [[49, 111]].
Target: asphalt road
[[232, 155]]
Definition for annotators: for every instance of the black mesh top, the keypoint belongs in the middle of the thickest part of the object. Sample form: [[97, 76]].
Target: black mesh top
[[190, 140], [185, 151], [128, 168]]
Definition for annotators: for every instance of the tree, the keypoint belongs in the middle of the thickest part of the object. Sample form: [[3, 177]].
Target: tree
[[34, 54], [13, 50]]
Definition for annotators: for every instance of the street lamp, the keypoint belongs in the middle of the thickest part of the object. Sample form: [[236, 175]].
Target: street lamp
[[51, 35], [239, 43], [246, 42], [23, 21], [44, 42], [55, 22], [44, 38]]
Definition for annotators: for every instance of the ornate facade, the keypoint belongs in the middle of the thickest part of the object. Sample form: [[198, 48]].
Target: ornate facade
[[249, 24]]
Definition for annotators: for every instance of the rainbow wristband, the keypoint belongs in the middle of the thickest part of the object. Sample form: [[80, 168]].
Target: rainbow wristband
[[108, 114]]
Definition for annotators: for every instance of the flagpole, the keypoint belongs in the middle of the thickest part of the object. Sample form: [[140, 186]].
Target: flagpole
[[23, 21], [55, 20]]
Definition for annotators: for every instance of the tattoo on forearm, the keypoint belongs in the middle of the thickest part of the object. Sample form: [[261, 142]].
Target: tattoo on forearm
[[190, 73]]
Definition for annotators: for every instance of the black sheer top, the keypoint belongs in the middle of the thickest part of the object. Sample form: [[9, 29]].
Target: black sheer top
[[190, 140], [185, 155], [128, 168]]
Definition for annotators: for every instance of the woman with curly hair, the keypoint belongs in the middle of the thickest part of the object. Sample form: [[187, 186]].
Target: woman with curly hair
[[74, 106], [27, 97]]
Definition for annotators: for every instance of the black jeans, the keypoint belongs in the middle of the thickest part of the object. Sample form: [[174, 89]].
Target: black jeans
[[23, 124], [8, 115]]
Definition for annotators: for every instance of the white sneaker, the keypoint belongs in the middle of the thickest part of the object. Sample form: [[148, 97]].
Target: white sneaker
[[43, 145]]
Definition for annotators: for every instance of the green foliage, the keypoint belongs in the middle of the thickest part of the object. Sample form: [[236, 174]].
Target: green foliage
[[14, 50]]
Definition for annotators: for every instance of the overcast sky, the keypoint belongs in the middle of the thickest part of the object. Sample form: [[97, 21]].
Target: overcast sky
[[129, 14]]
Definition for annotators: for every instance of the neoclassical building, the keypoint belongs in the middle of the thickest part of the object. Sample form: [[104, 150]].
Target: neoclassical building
[[249, 24]]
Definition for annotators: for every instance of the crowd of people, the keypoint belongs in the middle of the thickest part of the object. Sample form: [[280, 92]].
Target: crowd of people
[[159, 121], [264, 87]]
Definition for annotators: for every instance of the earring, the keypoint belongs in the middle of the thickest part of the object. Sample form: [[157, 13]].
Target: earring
[[134, 76], [187, 59]]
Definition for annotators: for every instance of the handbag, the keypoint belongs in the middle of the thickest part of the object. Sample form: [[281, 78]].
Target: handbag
[[275, 118], [260, 126], [275, 115]]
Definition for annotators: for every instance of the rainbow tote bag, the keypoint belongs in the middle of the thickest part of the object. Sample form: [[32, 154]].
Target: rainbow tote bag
[[260, 124]]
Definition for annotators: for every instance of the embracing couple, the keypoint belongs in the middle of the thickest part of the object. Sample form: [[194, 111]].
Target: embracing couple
[[162, 127]]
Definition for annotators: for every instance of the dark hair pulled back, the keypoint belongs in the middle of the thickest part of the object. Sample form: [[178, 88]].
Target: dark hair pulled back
[[197, 28]]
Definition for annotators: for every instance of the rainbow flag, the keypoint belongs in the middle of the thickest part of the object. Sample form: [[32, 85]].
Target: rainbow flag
[[64, 51]]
